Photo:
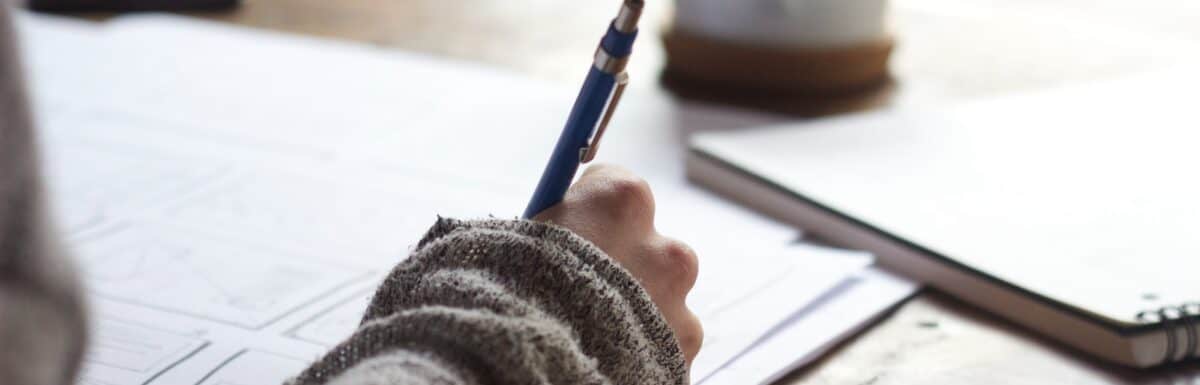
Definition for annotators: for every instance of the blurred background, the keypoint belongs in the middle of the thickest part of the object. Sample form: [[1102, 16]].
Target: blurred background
[[944, 49]]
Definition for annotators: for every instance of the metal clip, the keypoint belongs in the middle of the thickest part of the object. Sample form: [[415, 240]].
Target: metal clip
[[587, 153]]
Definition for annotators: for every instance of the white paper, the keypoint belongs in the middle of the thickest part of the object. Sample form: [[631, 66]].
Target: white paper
[[816, 328], [734, 319], [234, 197]]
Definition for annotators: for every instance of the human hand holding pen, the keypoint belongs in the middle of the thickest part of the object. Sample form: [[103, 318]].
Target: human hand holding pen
[[614, 209]]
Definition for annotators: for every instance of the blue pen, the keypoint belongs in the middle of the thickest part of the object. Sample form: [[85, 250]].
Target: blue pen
[[593, 109]]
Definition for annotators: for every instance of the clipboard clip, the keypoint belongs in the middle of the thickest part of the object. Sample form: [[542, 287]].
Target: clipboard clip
[[588, 152]]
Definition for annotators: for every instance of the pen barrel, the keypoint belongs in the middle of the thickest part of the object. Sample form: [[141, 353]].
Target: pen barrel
[[594, 100], [618, 44], [565, 160]]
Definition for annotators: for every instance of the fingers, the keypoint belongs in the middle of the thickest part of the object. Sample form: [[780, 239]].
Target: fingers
[[667, 269], [616, 195], [678, 264], [614, 209], [689, 332], [676, 272], [609, 206]]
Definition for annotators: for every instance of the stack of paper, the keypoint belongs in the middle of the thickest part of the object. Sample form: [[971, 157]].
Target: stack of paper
[[234, 196]]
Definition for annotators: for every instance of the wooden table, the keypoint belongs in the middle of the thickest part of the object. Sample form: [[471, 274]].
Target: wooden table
[[949, 50]]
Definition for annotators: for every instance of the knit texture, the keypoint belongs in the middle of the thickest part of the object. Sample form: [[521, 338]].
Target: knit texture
[[506, 302]]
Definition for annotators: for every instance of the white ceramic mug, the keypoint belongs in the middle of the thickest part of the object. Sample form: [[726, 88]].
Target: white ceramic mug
[[792, 23]]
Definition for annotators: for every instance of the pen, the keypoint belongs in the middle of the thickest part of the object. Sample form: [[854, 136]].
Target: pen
[[593, 109]]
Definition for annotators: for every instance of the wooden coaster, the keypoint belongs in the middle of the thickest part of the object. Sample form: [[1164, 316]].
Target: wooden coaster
[[803, 81]]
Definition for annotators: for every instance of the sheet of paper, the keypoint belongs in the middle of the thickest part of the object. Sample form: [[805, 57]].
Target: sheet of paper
[[223, 250], [234, 196], [816, 328], [734, 319]]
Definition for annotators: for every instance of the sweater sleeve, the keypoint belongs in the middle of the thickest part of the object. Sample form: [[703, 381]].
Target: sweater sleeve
[[506, 302], [42, 317]]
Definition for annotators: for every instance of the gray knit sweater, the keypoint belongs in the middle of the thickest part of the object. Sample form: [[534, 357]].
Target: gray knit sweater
[[506, 302], [481, 302]]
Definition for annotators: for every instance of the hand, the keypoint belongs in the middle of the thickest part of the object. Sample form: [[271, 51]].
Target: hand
[[614, 209]]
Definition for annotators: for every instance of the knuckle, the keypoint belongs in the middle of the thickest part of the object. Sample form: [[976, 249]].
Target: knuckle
[[691, 336], [631, 192], [681, 259], [627, 197]]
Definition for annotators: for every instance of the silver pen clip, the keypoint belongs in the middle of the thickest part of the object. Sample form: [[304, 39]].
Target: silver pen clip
[[588, 153]]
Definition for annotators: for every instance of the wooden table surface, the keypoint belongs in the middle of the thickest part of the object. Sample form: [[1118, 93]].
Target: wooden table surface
[[948, 51]]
